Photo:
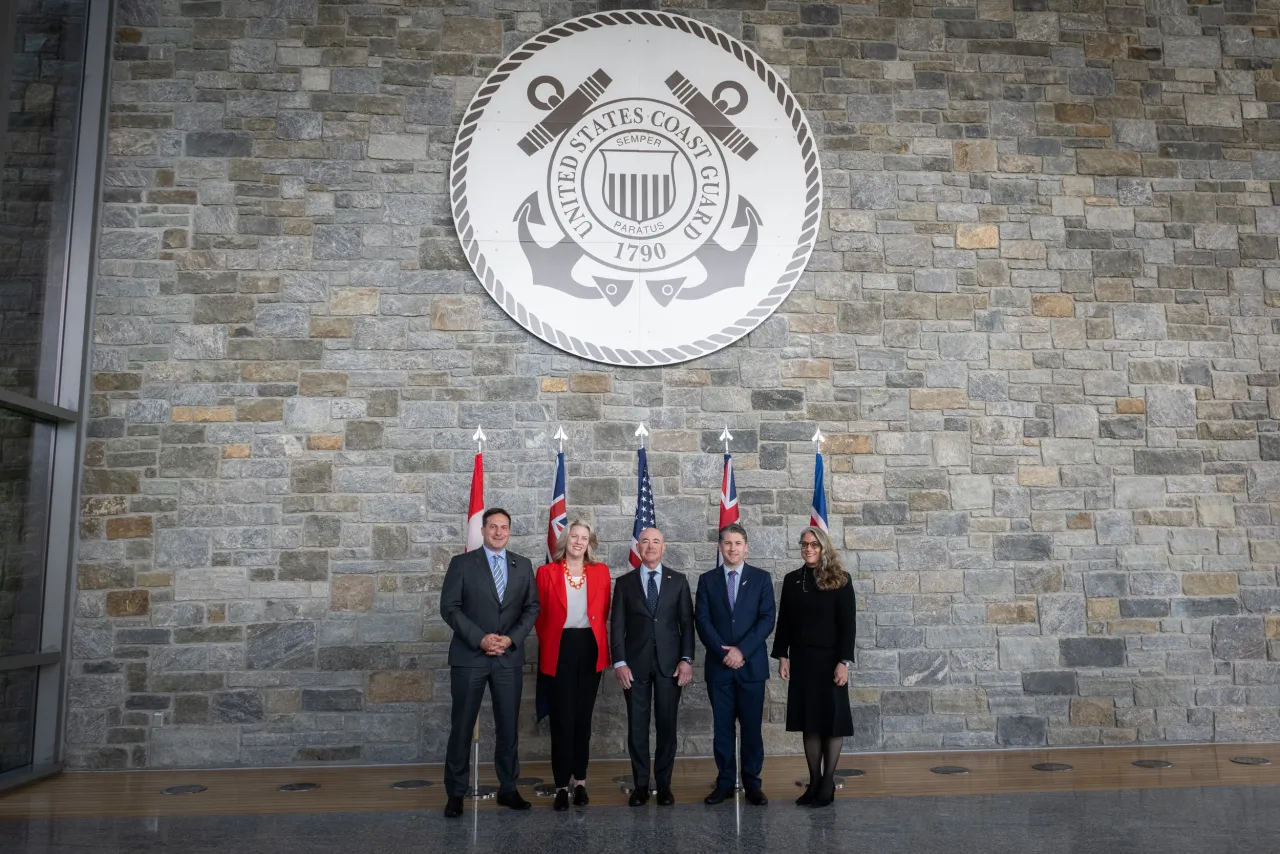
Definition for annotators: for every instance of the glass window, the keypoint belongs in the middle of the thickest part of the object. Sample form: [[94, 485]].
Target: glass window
[[17, 717], [24, 504], [41, 62]]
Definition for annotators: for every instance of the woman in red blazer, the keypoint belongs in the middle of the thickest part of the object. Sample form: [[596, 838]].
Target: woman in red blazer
[[573, 598]]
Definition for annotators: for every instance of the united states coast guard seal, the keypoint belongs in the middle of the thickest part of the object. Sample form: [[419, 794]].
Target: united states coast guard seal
[[636, 188]]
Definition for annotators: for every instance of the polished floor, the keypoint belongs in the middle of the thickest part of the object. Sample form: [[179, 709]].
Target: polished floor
[[1204, 802]]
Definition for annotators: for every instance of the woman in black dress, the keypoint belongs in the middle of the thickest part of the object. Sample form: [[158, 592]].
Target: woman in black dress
[[814, 648]]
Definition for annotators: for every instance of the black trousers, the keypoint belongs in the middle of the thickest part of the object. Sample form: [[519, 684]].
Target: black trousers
[[573, 699], [660, 693], [467, 685]]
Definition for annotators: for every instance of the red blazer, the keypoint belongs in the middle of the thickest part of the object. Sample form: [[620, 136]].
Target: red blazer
[[553, 607]]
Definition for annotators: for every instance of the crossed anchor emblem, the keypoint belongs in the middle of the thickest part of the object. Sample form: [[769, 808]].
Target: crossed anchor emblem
[[639, 188]]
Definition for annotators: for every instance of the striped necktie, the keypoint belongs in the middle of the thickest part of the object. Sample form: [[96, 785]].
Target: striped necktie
[[499, 577]]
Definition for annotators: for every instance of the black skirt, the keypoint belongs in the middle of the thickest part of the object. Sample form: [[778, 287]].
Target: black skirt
[[815, 703]]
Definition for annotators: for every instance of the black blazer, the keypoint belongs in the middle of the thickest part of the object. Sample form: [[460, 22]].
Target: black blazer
[[809, 617], [469, 604], [641, 637]]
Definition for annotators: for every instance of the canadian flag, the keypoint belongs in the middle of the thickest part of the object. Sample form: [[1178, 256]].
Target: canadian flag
[[475, 510]]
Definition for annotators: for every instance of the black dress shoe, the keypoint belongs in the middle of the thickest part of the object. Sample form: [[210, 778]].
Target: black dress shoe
[[810, 792], [756, 798], [665, 798], [453, 808], [580, 798], [717, 796], [826, 795], [562, 800], [513, 800], [639, 796]]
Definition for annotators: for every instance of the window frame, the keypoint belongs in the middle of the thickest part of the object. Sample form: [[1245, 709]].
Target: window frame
[[66, 412]]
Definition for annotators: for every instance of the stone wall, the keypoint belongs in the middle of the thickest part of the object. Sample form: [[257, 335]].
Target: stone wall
[[1039, 330]]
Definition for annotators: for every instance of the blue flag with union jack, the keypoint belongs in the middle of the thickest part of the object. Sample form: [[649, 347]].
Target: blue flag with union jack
[[818, 510], [645, 517], [559, 516]]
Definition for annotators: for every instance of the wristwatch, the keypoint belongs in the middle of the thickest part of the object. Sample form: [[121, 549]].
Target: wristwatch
[[848, 663]]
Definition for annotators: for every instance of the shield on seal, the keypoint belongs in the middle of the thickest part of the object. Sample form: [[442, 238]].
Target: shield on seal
[[639, 185]]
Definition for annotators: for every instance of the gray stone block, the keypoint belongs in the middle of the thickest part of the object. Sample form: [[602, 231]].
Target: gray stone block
[[1053, 682], [1023, 547], [1021, 730], [1166, 461], [187, 746], [1236, 638], [218, 144], [1093, 652], [280, 646]]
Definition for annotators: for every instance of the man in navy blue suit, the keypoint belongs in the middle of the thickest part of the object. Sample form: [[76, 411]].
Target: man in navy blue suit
[[734, 616]]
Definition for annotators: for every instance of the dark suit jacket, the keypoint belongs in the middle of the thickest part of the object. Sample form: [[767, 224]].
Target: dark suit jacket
[[747, 626], [469, 604], [640, 637]]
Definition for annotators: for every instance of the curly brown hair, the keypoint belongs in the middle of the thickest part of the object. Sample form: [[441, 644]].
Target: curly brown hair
[[829, 573]]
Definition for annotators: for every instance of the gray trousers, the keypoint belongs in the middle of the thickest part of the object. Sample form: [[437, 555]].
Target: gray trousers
[[467, 686]]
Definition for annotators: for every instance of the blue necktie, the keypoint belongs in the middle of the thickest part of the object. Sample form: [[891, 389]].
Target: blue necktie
[[733, 587], [653, 591], [499, 577]]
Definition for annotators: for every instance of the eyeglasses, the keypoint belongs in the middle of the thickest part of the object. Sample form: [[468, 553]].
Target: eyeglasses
[[804, 547]]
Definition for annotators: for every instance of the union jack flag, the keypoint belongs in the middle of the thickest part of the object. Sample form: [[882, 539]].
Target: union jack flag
[[728, 499], [559, 516], [645, 517]]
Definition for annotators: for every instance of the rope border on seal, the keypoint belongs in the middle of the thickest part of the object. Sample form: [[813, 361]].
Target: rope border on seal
[[587, 349]]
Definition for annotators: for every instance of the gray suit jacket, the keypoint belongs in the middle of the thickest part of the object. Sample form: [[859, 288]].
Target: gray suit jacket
[[469, 604]]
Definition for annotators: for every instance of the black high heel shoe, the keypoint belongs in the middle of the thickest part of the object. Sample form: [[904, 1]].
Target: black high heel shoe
[[810, 792], [826, 794]]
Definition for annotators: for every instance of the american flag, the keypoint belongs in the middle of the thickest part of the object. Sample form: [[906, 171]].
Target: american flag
[[818, 511], [645, 517], [728, 499], [559, 516]]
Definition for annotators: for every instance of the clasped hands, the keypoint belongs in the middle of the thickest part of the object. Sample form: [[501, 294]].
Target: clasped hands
[[494, 644]]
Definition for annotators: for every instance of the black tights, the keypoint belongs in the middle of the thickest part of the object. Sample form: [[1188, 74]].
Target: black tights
[[822, 753]]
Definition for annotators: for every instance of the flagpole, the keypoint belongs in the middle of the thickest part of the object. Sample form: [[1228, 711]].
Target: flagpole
[[477, 791]]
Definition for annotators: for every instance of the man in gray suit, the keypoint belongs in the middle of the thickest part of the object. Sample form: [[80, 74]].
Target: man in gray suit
[[651, 638], [490, 601]]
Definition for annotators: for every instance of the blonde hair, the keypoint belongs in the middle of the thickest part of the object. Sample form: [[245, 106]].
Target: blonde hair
[[829, 574], [562, 544]]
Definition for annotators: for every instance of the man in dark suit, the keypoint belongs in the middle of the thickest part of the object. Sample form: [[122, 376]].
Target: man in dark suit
[[735, 616], [651, 639], [490, 601]]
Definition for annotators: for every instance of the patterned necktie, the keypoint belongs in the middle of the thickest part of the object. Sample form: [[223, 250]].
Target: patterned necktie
[[733, 587], [653, 590], [499, 577]]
